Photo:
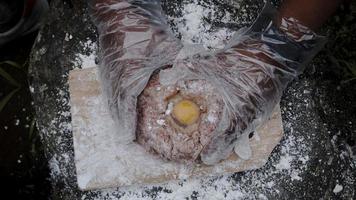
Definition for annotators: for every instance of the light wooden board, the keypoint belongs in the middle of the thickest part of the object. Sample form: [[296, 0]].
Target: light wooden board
[[103, 162]]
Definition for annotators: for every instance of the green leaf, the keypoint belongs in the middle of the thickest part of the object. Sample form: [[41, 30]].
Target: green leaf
[[32, 128], [33, 149], [348, 80], [352, 68], [9, 78], [12, 63], [7, 98]]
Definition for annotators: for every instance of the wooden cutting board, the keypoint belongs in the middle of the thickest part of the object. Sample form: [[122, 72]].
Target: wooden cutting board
[[102, 161]]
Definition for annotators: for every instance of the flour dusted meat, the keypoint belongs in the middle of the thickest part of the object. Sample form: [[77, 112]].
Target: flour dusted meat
[[157, 130]]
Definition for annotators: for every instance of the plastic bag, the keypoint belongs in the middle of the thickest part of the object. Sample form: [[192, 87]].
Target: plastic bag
[[250, 73], [135, 40]]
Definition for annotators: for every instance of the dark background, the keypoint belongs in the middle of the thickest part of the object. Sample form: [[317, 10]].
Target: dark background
[[24, 173], [23, 167]]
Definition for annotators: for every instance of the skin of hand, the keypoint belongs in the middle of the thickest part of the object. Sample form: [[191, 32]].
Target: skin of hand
[[311, 13]]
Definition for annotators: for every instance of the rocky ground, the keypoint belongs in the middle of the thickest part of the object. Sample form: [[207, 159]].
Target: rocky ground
[[23, 167], [315, 160]]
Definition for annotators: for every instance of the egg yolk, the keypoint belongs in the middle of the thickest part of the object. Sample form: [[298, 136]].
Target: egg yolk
[[186, 112]]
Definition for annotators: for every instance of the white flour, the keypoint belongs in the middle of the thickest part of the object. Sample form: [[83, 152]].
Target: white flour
[[293, 149], [193, 30], [86, 60]]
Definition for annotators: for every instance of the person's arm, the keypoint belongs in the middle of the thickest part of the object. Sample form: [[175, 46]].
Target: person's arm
[[311, 13], [253, 74]]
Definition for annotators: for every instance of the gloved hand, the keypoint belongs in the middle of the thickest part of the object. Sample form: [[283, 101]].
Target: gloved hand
[[250, 74], [135, 40]]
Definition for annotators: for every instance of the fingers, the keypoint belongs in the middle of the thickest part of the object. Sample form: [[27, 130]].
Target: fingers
[[242, 147], [250, 92], [134, 41], [126, 30]]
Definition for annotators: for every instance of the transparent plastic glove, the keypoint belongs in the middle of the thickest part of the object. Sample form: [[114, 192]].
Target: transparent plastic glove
[[135, 40], [250, 73]]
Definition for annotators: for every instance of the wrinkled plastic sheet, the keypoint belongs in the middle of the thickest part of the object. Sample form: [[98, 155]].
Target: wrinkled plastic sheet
[[250, 72]]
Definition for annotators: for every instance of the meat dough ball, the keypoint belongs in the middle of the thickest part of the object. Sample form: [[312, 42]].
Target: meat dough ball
[[177, 121]]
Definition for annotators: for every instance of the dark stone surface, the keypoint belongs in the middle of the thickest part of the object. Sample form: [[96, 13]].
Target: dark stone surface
[[318, 113], [24, 170]]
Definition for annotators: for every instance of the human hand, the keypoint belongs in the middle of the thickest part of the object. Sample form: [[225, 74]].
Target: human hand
[[134, 42], [250, 75]]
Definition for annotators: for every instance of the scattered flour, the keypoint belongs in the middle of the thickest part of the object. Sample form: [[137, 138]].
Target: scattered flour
[[54, 166], [193, 30], [87, 60], [284, 163], [161, 122], [211, 118], [294, 150], [68, 37], [262, 197], [338, 188], [17, 122]]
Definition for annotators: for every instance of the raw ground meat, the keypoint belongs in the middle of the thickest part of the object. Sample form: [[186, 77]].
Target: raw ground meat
[[157, 130]]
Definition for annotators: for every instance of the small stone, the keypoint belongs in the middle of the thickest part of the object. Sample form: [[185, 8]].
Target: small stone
[[338, 188]]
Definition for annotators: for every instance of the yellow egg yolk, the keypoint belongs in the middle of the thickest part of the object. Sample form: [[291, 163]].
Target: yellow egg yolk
[[186, 112]]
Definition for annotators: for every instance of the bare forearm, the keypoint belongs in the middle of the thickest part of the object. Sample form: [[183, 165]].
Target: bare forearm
[[311, 13]]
